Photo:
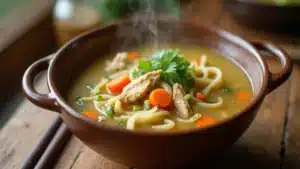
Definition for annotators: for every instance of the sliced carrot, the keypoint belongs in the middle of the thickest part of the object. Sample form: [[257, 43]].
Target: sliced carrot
[[160, 98], [133, 55], [197, 62], [91, 115], [205, 120], [200, 96], [117, 85], [243, 96]]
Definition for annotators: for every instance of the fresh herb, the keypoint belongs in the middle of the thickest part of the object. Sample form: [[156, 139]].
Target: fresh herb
[[147, 105], [90, 87], [175, 68], [79, 101], [109, 111], [227, 89], [107, 77], [99, 98], [121, 122]]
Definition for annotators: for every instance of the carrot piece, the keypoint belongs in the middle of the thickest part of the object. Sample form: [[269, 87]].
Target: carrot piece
[[160, 98], [133, 55], [200, 96], [243, 96], [91, 115], [205, 120], [117, 85], [197, 62]]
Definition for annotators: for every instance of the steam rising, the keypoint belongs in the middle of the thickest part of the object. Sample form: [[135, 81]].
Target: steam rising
[[143, 27]]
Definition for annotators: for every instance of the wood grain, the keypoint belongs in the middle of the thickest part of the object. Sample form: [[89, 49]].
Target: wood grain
[[77, 156], [22, 131], [292, 140]]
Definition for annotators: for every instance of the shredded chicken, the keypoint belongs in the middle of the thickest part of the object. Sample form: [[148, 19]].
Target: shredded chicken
[[139, 87], [182, 106], [117, 63]]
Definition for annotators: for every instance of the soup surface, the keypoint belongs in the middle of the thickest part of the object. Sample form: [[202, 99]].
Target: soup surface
[[174, 87]]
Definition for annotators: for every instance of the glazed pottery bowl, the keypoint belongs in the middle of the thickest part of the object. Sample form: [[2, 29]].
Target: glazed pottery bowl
[[143, 149]]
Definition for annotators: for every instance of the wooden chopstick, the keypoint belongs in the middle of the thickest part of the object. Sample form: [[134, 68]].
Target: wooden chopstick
[[54, 149], [39, 149]]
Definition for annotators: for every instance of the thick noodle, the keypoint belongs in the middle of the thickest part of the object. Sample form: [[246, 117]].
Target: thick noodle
[[146, 117], [204, 76], [168, 125]]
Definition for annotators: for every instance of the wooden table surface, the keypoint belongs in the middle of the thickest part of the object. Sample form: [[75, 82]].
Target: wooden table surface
[[271, 142]]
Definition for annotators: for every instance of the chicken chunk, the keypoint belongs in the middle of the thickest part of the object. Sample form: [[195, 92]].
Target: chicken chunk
[[183, 108], [118, 63], [139, 87]]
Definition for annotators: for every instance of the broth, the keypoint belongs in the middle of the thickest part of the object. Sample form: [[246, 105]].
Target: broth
[[235, 91]]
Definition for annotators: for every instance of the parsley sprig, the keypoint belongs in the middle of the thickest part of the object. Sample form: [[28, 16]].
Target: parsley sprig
[[175, 68]]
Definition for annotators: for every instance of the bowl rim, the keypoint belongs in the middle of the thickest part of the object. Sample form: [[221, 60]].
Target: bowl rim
[[64, 105]]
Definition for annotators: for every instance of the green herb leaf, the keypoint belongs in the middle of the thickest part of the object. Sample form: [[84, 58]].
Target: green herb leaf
[[121, 122], [99, 98], [79, 101], [227, 89], [175, 68], [109, 111]]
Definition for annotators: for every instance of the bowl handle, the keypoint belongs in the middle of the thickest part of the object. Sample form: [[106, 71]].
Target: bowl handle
[[46, 101], [279, 78]]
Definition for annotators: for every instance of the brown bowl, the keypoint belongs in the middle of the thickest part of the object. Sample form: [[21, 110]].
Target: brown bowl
[[154, 149], [270, 17]]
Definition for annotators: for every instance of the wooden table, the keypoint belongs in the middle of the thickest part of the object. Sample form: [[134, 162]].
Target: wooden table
[[272, 141]]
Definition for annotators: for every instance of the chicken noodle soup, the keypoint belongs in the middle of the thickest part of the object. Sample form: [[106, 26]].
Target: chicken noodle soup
[[172, 88]]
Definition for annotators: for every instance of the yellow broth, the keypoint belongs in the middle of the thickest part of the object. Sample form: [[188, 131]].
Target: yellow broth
[[233, 77]]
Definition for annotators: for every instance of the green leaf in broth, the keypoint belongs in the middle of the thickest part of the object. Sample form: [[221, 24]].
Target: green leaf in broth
[[227, 89], [121, 122], [99, 98], [79, 101], [147, 105], [109, 111]]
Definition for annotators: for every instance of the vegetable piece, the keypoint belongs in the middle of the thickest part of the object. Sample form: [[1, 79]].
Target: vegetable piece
[[79, 101], [227, 89], [120, 122], [108, 77], [243, 96], [205, 120], [91, 115], [187, 97], [147, 105], [200, 96], [160, 98], [99, 98], [197, 62], [117, 85], [109, 111], [136, 108], [133, 55]]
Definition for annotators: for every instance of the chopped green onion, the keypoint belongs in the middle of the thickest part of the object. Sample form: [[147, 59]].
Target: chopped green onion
[[147, 105], [90, 87], [99, 98], [227, 89], [121, 123], [136, 108], [109, 111], [187, 97], [79, 101]]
